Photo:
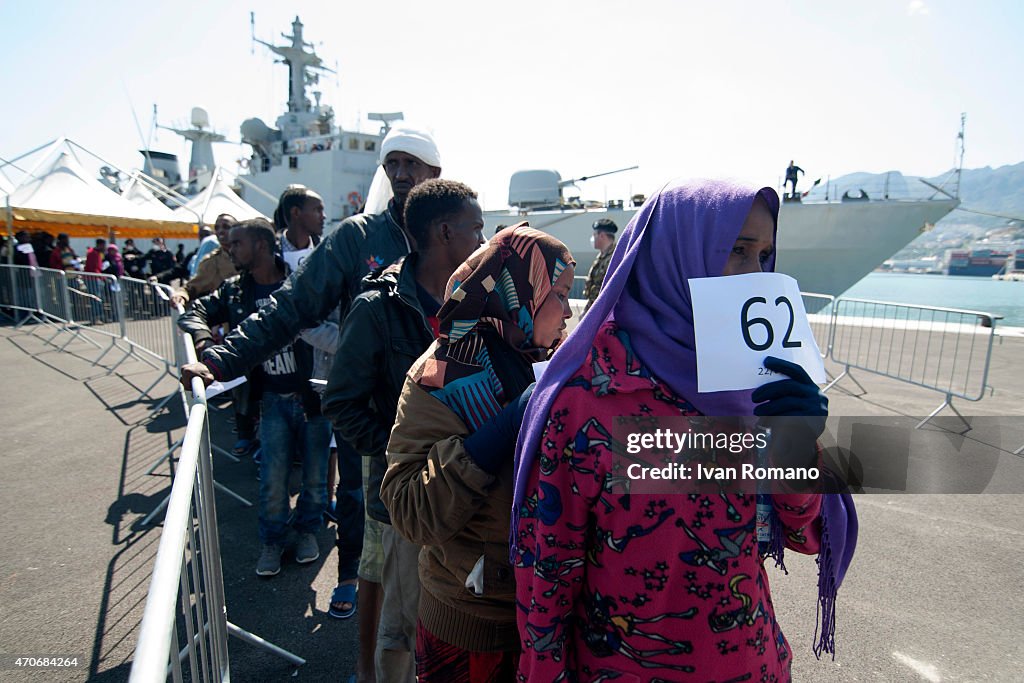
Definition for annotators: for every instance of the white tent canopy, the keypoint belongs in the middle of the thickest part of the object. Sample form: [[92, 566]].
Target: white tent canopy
[[61, 195], [216, 199], [137, 193]]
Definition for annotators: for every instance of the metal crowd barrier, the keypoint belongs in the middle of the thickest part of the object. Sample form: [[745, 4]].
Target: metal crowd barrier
[[40, 295], [52, 296], [149, 321], [188, 566], [94, 301], [185, 618], [943, 349], [821, 317], [150, 325], [18, 292], [579, 282]]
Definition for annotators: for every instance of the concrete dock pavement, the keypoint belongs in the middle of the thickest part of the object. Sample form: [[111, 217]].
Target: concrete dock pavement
[[76, 565], [932, 595]]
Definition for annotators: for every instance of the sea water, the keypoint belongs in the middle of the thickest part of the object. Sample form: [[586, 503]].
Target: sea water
[[998, 297]]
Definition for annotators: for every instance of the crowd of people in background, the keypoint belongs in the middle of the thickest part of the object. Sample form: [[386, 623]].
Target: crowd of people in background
[[43, 250]]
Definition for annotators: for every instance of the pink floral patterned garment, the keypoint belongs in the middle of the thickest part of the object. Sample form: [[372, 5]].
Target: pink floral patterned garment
[[617, 586]]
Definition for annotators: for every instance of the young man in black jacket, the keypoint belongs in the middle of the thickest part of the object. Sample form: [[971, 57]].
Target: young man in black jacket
[[290, 410], [388, 327]]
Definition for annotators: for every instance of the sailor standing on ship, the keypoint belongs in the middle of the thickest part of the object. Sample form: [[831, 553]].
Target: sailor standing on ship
[[791, 172]]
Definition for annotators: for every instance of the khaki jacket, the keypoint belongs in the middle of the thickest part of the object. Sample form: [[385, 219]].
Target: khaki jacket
[[439, 498], [214, 269], [595, 278]]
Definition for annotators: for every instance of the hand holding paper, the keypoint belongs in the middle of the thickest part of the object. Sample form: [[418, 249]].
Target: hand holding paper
[[739, 320]]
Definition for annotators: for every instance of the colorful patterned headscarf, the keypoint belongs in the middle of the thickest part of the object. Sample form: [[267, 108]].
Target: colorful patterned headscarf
[[499, 287]]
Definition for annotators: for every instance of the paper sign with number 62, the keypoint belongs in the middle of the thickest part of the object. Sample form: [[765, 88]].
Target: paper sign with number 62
[[739, 320]]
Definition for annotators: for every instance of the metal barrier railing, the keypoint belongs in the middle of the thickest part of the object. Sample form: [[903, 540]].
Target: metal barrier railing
[[579, 282], [187, 570], [42, 295], [18, 291], [149, 321], [188, 566], [95, 301], [943, 349], [150, 325], [821, 317], [52, 295]]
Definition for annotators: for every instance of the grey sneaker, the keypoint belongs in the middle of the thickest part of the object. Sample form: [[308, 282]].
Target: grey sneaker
[[307, 549], [269, 563]]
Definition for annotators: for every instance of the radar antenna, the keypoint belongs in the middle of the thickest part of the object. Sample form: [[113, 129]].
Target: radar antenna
[[385, 120]]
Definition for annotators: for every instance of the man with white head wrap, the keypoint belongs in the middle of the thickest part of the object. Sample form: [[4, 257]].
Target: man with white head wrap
[[327, 280], [330, 276]]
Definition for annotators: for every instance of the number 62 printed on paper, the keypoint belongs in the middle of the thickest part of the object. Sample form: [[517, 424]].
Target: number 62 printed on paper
[[739, 320]]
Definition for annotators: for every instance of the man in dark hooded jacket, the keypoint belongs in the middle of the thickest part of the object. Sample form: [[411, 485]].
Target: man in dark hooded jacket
[[388, 327]]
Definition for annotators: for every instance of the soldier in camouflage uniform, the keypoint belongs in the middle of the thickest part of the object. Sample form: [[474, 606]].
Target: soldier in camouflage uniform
[[604, 241]]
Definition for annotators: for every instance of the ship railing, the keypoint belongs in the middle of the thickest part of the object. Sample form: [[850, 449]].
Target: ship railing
[[948, 350]]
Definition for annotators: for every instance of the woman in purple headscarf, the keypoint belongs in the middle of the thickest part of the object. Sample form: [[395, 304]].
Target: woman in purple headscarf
[[638, 586]]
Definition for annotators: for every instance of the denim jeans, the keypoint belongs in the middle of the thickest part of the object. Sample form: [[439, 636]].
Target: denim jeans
[[349, 509], [95, 288], [284, 430]]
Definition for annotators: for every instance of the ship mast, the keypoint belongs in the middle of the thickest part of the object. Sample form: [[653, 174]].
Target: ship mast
[[960, 144], [300, 66], [201, 164]]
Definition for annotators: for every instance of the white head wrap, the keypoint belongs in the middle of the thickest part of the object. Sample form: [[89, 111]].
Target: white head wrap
[[380, 193], [418, 143]]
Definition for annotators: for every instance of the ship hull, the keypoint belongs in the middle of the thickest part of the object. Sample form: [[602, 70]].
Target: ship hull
[[827, 247], [976, 270]]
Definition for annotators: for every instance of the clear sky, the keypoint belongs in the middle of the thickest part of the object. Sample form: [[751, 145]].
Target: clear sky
[[680, 88]]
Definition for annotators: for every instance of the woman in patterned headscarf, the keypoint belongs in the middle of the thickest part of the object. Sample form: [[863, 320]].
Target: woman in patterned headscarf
[[617, 583], [449, 482]]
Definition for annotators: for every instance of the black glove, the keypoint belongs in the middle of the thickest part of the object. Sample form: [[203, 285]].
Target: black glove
[[495, 441], [795, 410]]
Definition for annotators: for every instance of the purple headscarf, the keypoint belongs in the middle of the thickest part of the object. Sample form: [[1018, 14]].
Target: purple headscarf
[[116, 262], [686, 230]]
